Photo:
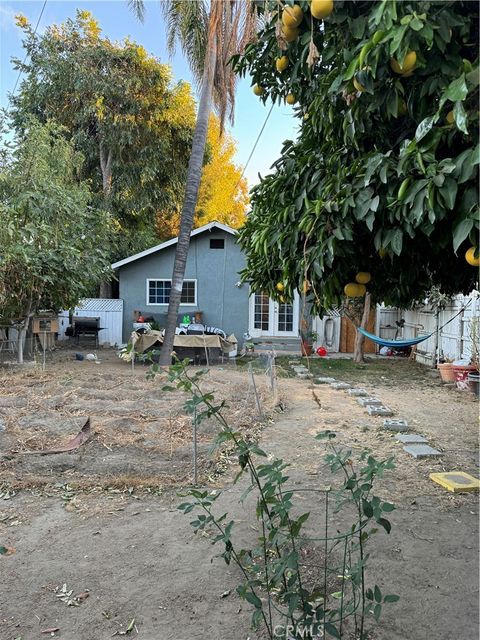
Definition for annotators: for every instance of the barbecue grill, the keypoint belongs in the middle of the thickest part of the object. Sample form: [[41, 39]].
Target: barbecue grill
[[83, 326]]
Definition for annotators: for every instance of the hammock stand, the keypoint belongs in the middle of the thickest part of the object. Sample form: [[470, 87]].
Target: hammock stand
[[402, 344]]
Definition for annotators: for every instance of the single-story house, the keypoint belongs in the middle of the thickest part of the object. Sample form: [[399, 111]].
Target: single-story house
[[212, 286]]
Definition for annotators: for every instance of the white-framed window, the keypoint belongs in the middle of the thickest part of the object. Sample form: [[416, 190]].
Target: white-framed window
[[158, 292]]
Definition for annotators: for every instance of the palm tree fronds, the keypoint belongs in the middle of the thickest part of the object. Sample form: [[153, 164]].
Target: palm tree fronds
[[138, 8]]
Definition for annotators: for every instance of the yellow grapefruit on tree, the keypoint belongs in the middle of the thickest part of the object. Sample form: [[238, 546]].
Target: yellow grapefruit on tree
[[470, 257], [363, 277], [408, 65], [290, 33], [292, 16], [354, 290], [290, 99], [358, 85], [282, 63], [258, 90], [279, 286], [321, 9], [450, 118]]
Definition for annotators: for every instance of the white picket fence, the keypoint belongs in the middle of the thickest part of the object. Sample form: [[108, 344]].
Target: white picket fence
[[454, 340], [110, 313]]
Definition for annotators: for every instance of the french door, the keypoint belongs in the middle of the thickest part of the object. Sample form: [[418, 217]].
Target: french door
[[270, 318]]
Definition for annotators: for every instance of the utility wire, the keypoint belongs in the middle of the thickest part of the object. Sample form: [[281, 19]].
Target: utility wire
[[255, 145], [26, 55]]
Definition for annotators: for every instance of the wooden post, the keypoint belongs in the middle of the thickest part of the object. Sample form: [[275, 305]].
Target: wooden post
[[257, 399], [195, 478]]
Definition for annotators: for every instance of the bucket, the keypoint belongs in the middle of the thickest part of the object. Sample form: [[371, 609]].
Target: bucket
[[474, 382], [447, 373], [461, 372]]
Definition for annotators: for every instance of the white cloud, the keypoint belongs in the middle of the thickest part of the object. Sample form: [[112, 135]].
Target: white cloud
[[7, 19]]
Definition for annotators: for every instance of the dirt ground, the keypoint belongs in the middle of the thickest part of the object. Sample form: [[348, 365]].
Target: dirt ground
[[103, 520]]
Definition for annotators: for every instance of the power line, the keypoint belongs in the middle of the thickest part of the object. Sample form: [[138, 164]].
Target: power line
[[255, 145], [26, 55]]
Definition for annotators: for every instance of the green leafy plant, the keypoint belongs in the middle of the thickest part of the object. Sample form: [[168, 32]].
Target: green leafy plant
[[383, 174], [328, 596]]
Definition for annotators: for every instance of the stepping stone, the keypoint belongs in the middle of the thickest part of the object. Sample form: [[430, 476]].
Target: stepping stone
[[378, 411], [374, 402], [300, 367], [305, 375], [339, 386], [422, 451], [395, 425], [410, 438], [456, 481], [324, 380], [357, 393]]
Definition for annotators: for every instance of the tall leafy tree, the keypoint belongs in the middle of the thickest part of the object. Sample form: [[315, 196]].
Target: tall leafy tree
[[51, 237], [383, 176], [223, 192], [209, 34], [121, 110]]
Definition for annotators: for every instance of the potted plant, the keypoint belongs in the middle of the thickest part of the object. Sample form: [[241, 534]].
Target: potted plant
[[308, 338]]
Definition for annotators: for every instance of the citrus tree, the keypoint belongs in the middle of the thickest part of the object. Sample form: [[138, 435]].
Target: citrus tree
[[51, 238], [382, 178]]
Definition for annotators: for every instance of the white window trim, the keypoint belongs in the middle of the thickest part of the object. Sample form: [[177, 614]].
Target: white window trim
[[165, 304]]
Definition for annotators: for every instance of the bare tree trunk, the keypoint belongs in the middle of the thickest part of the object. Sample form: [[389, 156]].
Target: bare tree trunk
[[358, 355], [21, 333], [106, 168], [195, 166]]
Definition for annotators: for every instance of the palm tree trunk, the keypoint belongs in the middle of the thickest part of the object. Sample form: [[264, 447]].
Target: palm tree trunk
[[358, 355], [195, 166]]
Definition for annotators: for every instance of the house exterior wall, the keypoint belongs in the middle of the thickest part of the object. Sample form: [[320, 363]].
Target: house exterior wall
[[216, 271]]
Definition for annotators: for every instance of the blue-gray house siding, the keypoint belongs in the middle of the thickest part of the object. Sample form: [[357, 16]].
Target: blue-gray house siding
[[216, 272]]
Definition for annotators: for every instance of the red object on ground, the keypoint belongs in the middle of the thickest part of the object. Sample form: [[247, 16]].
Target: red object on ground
[[461, 372], [321, 351]]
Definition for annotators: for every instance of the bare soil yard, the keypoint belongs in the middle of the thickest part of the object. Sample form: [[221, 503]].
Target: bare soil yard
[[103, 520]]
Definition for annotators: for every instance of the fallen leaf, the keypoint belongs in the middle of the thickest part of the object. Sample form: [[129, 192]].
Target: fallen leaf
[[51, 630], [6, 551]]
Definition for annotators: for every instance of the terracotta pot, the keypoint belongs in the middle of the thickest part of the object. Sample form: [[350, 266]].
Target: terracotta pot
[[447, 373], [307, 349], [461, 374]]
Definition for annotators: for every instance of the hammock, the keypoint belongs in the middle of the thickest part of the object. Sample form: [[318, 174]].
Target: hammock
[[401, 344], [394, 344]]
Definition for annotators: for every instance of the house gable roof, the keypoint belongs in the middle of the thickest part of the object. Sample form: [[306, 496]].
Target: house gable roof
[[159, 247]]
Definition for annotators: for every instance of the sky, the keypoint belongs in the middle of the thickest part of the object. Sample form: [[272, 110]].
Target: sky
[[118, 22]]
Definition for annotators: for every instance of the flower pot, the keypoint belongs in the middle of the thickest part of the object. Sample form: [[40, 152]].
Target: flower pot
[[306, 349], [447, 373], [474, 382], [461, 372]]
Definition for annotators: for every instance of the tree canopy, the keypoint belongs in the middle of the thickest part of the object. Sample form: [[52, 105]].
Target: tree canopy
[[51, 237], [223, 193], [383, 175], [122, 112]]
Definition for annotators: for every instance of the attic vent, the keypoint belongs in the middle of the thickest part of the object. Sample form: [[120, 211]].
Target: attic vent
[[217, 243]]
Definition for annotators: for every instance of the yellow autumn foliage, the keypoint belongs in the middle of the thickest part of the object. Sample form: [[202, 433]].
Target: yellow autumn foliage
[[222, 196]]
